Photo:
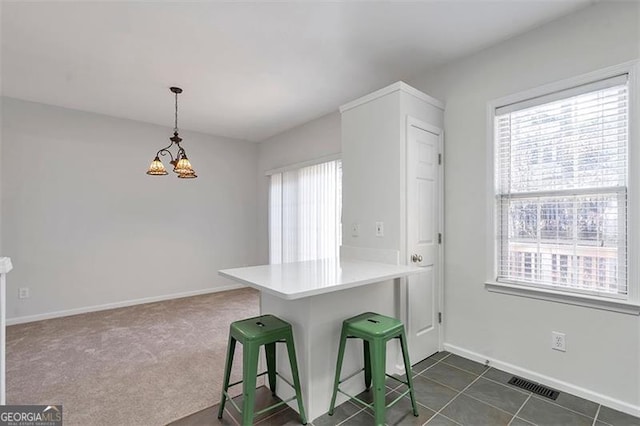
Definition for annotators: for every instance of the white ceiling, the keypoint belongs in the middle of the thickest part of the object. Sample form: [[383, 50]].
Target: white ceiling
[[249, 70]]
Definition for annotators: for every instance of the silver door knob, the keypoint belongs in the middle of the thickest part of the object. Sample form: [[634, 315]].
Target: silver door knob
[[416, 258]]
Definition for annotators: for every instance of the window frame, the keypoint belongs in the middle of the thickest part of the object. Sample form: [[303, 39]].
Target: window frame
[[629, 304]]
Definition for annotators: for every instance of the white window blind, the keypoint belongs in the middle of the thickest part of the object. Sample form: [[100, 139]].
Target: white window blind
[[561, 189], [305, 207]]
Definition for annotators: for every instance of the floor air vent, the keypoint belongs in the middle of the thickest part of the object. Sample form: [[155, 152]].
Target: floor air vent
[[534, 387]]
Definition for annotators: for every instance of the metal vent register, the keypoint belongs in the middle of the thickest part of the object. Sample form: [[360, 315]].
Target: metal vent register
[[534, 387]]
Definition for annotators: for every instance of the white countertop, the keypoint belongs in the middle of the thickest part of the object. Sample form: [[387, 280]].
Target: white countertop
[[303, 279]]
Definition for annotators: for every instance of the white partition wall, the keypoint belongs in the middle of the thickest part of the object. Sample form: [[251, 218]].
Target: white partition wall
[[391, 159], [5, 266]]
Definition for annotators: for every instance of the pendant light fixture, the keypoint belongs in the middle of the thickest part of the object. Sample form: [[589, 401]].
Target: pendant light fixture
[[180, 163]]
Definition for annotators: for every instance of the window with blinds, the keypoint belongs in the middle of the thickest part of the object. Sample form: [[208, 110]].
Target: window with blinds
[[305, 208], [561, 189]]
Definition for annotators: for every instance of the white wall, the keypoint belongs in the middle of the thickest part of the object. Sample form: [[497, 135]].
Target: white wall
[[603, 355], [371, 175], [1, 117], [1, 125], [312, 140], [374, 168], [85, 226]]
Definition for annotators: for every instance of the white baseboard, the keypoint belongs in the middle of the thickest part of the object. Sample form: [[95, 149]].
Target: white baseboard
[[560, 385], [95, 308]]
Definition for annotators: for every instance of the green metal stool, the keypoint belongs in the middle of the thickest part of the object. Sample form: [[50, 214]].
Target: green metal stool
[[254, 332], [375, 330]]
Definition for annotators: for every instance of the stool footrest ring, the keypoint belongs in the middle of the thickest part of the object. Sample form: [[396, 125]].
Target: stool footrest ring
[[395, 401], [351, 376], [396, 379], [228, 398], [271, 407], [264, 410], [285, 380], [366, 404], [240, 381], [262, 374]]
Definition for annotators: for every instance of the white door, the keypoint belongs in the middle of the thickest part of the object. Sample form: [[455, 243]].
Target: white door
[[423, 249]]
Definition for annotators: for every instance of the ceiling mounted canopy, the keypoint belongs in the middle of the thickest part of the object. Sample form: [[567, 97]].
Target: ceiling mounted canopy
[[181, 164]]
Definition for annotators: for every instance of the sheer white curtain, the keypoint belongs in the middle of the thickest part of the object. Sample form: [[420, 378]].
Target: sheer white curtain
[[304, 213]]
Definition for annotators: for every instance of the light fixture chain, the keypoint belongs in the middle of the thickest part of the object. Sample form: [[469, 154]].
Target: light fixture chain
[[175, 128]]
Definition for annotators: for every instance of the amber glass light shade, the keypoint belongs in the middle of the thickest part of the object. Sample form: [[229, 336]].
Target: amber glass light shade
[[184, 166], [191, 175], [157, 168]]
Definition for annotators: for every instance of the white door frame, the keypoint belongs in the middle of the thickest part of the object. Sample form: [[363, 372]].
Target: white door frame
[[415, 122]]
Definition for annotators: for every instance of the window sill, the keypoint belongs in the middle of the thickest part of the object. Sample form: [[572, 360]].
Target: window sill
[[595, 302]]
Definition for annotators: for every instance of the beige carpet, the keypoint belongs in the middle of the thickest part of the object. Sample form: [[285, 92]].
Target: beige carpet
[[141, 365]]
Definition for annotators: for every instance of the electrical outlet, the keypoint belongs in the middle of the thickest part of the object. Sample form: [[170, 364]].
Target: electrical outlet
[[557, 341], [355, 229], [24, 293], [379, 229]]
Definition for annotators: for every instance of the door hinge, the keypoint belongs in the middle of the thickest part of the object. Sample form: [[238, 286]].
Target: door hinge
[[439, 159], [439, 317], [439, 238]]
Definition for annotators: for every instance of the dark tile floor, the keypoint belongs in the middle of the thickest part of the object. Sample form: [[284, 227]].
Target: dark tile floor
[[450, 390]]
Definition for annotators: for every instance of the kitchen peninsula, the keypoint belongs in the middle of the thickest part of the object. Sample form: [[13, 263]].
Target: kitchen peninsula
[[315, 297]]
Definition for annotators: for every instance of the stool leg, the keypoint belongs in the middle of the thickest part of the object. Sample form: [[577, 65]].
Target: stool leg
[[249, 373], [293, 361], [336, 382], [270, 351], [407, 369], [367, 365], [231, 348], [378, 365]]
